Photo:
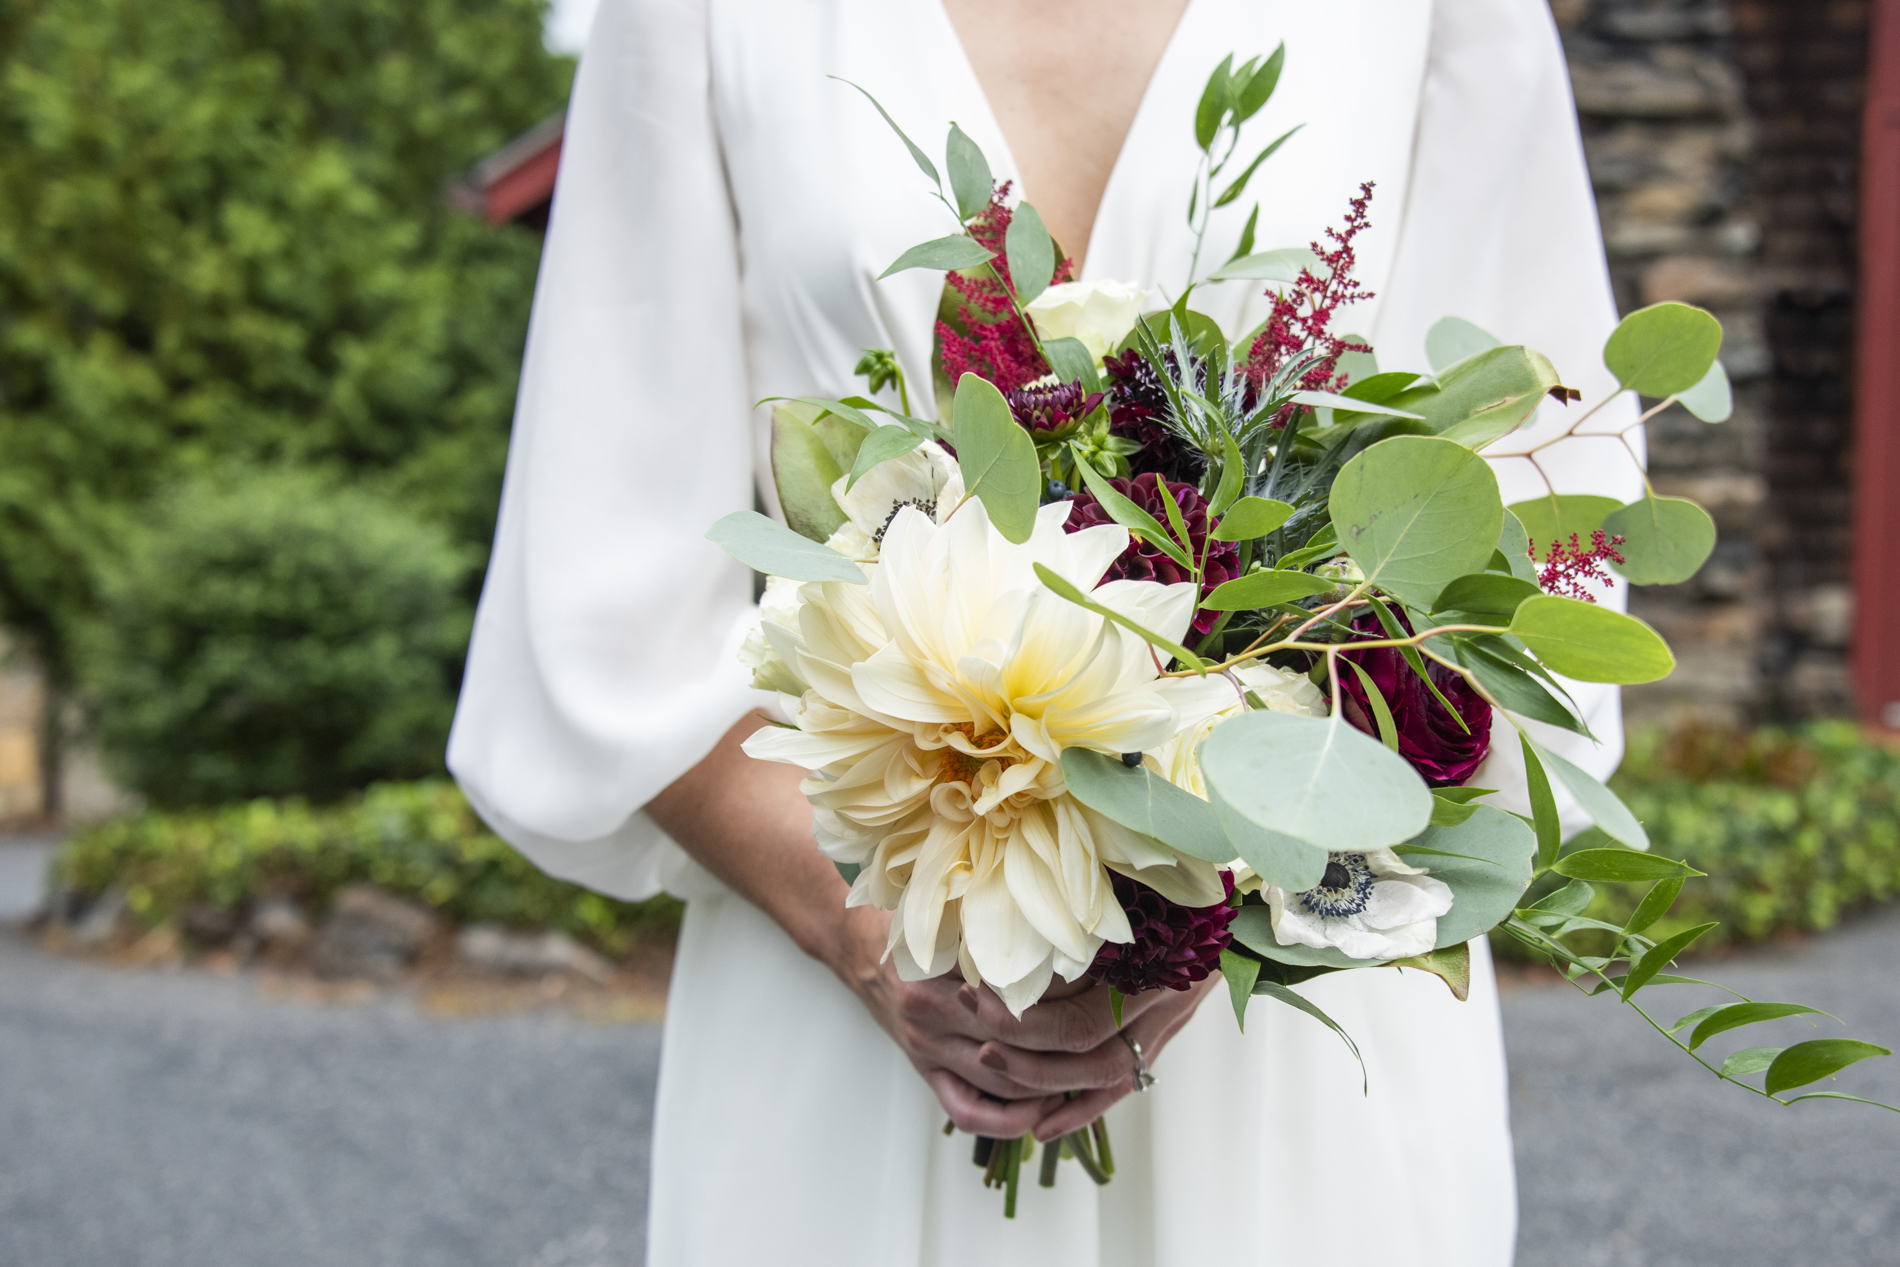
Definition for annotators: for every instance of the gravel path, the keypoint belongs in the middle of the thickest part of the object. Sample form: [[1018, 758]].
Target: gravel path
[[153, 1119]]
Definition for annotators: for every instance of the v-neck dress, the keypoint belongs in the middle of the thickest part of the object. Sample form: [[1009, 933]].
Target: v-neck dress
[[722, 212]]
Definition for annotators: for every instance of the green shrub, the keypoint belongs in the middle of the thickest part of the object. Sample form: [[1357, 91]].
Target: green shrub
[[1794, 828], [275, 635], [415, 840]]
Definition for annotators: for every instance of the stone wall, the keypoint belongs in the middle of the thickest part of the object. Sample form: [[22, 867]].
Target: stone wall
[[1722, 140]]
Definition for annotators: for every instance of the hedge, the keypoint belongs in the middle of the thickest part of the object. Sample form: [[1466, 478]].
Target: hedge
[[415, 840]]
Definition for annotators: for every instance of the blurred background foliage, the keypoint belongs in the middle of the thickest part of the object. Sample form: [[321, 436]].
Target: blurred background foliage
[[225, 244]]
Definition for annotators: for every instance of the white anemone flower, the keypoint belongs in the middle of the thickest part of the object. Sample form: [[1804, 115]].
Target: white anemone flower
[[942, 696], [926, 478], [1370, 905]]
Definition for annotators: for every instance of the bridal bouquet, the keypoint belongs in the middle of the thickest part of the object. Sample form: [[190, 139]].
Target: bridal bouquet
[[1160, 652]]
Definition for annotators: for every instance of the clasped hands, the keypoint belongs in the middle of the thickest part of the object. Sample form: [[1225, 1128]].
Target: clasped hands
[[1002, 1077]]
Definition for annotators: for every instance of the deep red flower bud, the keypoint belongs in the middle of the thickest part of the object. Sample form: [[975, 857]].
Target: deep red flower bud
[[1443, 752], [1142, 561]]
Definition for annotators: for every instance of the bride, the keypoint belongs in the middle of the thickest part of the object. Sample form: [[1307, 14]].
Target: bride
[[723, 209]]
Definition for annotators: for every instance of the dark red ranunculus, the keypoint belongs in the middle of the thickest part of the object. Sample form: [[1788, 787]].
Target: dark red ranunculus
[[1144, 562], [1443, 752], [1174, 946]]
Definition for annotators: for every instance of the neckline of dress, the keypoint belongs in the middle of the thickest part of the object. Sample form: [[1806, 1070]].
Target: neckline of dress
[[979, 96]]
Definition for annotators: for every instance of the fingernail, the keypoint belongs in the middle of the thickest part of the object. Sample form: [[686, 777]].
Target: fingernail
[[992, 1058], [967, 996]]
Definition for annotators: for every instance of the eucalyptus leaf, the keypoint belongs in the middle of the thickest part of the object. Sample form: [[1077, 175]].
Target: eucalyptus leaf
[[1032, 254], [949, 254], [1315, 779], [1279, 859], [997, 458], [1485, 594], [881, 446], [1560, 516], [1663, 349], [1282, 264], [1072, 361], [803, 471], [1666, 540], [1264, 589], [1415, 512], [970, 178], [1514, 544], [1711, 400], [767, 546], [1488, 878], [1452, 339], [1591, 642], [1144, 802], [1816, 1059], [1484, 396], [1250, 517]]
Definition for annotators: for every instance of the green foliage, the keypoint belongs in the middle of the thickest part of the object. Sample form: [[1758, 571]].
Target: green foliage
[[1794, 829], [223, 234], [415, 840], [274, 635]]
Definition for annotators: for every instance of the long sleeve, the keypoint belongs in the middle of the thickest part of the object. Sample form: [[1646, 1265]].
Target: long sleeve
[[1500, 228], [602, 665]]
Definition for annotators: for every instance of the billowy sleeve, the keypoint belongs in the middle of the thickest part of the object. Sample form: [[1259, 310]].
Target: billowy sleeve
[[603, 660], [1500, 228]]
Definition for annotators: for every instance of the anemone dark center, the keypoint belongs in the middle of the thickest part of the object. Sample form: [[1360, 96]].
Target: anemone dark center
[[927, 505], [1344, 889]]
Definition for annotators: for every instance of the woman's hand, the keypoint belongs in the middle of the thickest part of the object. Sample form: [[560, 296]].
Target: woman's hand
[[1071, 1044]]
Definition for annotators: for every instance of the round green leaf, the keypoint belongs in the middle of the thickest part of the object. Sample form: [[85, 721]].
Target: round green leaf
[[1711, 400], [1453, 339], [768, 546], [1663, 349], [1559, 517], [1489, 881], [1816, 1059], [1142, 801], [1666, 540], [1590, 642], [1415, 512], [996, 458], [1279, 860], [1316, 779], [1485, 594]]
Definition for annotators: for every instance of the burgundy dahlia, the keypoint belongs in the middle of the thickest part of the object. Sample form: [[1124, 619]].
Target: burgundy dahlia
[[1174, 946], [1443, 752], [1144, 562]]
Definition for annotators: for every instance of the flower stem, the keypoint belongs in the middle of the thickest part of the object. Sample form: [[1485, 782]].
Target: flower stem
[[1100, 1129], [1051, 1154]]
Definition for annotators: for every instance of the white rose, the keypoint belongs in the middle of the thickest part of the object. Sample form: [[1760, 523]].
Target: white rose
[[1100, 314]]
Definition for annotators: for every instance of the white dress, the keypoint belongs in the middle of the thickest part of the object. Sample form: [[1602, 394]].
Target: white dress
[[723, 209]]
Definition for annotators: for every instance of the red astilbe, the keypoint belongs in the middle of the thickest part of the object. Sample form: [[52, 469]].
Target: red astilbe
[[1303, 313], [1567, 567], [995, 346]]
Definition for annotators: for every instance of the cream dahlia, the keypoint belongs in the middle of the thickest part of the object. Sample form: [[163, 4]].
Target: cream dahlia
[[940, 699]]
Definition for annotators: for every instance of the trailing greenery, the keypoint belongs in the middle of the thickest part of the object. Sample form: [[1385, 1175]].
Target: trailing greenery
[[1794, 828], [270, 634], [224, 236], [416, 840]]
